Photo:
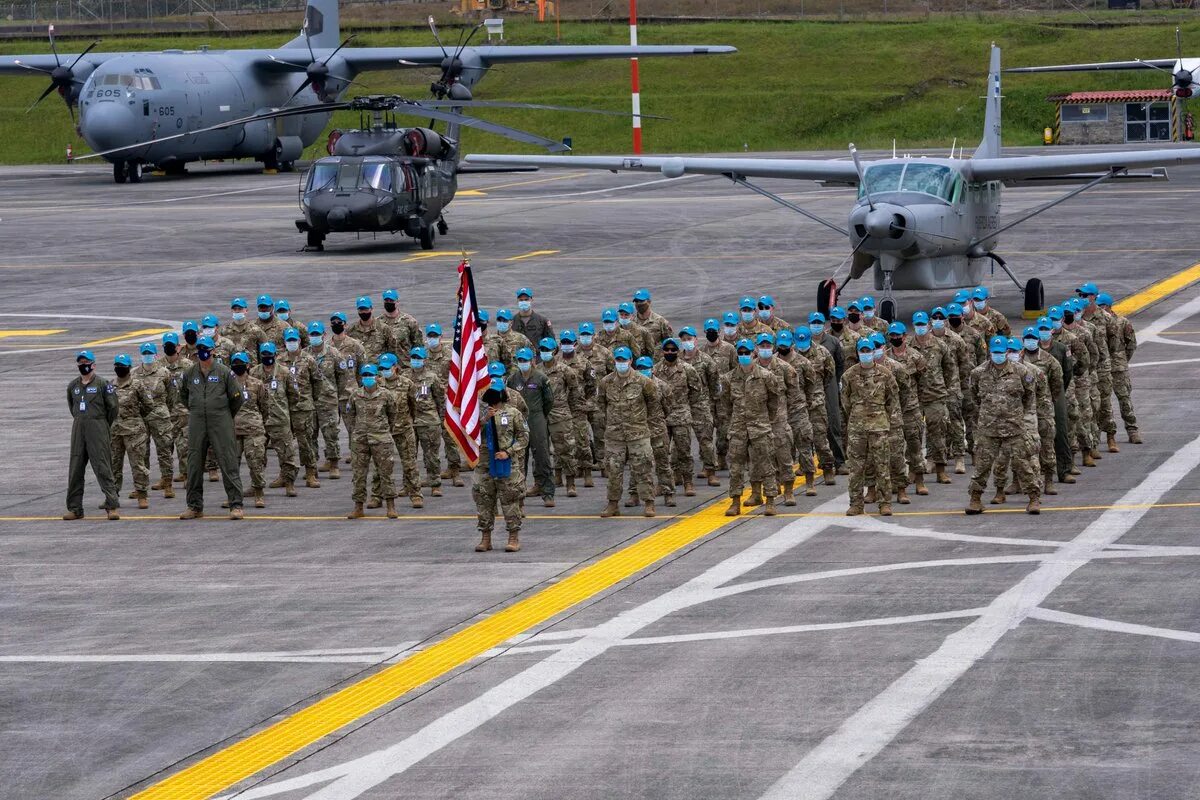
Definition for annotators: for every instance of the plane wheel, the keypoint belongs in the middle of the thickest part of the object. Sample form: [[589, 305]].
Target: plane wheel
[[887, 310], [427, 237], [442, 227], [826, 296], [133, 171], [119, 171], [316, 241], [287, 166], [1035, 295]]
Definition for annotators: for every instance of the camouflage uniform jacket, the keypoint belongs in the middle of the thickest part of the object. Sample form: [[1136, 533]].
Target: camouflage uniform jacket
[[723, 354], [1042, 401], [1099, 330], [849, 337], [627, 402], [660, 413], [914, 366], [355, 356], [509, 343], [256, 405], [371, 415], [310, 383], [660, 330], [1122, 344], [794, 398], [871, 399], [875, 324], [242, 336], [684, 391], [778, 324], [270, 330], [223, 349], [824, 371], [133, 404], [158, 391], [643, 339], [998, 321], [511, 432], [375, 337], [406, 332], [960, 364], [1077, 346], [429, 395], [619, 337], [980, 322], [336, 372], [1047, 363], [176, 370], [898, 371], [750, 330], [282, 395], [710, 382], [811, 382], [976, 349], [753, 401], [600, 362], [1004, 395], [566, 390], [585, 373], [933, 384], [404, 399]]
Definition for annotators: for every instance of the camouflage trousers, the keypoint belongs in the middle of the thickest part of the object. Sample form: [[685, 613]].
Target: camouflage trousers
[[956, 429], [1124, 392], [756, 454], [429, 439], [785, 467], [1083, 423], [1104, 410], [970, 417], [639, 457], [410, 473], [280, 440], [914, 435], [937, 422], [179, 432], [662, 472], [820, 427], [303, 423], [562, 439], [162, 433], [1034, 446], [681, 452], [869, 451], [583, 446], [327, 430], [1014, 449], [488, 491], [597, 420], [254, 447], [137, 447], [801, 445], [702, 429], [346, 422], [897, 464], [453, 457], [362, 455], [721, 435]]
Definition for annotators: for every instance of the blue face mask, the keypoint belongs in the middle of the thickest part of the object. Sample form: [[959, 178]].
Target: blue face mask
[[622, 367], [433, 342], [524, 305], [744, 360], [866, 357], [389, 372], [567, 348], [764, 314], [264, 315], [765, 352], [803, 347], [730, 330], [546, 356], [1013, 356], [502, 326], [920, 330], [868, 313], [980, 305], [368, 382], [625, 321], [1057, 324], [416, 363], [877, 355], [1044, 334], [688, 345], [283, 315], [938, 324], [1030, 344], [1087, 301], [816, 330], [524, 366], [316, 340], [999, 358], [238, 316], [585, 340], [148, 358], [645, 372], [747, 316]]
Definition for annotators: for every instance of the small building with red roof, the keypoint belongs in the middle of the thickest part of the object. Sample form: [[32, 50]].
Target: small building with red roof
[[1117, 117]]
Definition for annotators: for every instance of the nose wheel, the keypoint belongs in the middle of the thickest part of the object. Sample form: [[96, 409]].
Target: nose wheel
[[127, 171], [887, 306]]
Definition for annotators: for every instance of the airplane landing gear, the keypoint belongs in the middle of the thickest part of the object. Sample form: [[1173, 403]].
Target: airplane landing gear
[[119, 171], [887, 306], [1035, 296], [442, 226], [316, 241], [826, 296], [427, 237], [127, 171]]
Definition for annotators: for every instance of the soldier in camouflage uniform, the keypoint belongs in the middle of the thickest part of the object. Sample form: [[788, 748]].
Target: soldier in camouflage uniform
[[566, 390], [626, 399], [997, 320], [599, 360], [876, 324], [768, 317], [400, 385], [660, 330], [1056, 351], [406, 331], [905, 431], [976, 344], [375, 336], [855, 328], [962, 364], [755, 407], [503, 437], [822, 368], [354, 355], [223, 347], [282, 395], [284, 315], [439, 356], [644, 344], [897, 464], [829, 342], [1083, 351], [1122, 342], [1052, 386], [724, 357], [428, 394], [684, 392], [871, 399], [372, 409], [191, 334], [175, 365], [612, 335], [976, 319], [702, 410], [1104, 331], [585, 374], [794, 406], [660, 439], [1041, 403], [509, 341], [160, 394], [240, 331], [128, 432], [803, 435], [910, 403], [268, 328], [248, 425], [934, 386], [312, 389], [338, 377], [1004, 394], [749, 326]]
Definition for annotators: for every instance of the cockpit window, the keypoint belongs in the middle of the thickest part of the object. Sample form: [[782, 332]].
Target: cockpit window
[[883, 178], [377, 175], [932, 179], [131, 81], [322, 175]]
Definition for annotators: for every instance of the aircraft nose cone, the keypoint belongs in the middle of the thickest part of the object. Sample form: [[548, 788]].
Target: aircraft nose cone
[[109, 125], [338, 217], [879, 223]]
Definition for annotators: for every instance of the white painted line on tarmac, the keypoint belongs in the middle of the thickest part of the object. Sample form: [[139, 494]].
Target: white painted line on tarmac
[[874, 726], [1098, 624], [354, 655]]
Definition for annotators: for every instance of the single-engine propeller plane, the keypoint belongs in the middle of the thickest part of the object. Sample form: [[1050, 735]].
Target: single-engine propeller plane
[[131, 97], [918, 223]]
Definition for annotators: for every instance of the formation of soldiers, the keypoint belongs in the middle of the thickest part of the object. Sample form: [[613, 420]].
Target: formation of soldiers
[[885, 404]]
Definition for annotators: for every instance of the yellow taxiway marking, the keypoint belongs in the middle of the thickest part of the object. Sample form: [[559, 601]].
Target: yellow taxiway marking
[[1158, 291], [260, 750], [123, 336], [470, 193], [436, 254], [11, 334], [533, 254]]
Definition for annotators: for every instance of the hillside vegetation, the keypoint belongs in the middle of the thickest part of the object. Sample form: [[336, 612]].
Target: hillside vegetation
[[792, 86]]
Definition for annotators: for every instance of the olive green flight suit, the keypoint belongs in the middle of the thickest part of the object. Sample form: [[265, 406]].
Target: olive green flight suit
[[93, 410], [212, 400]]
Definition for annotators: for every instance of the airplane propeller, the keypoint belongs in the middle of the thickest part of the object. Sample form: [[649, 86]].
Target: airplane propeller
[[449, 84], [317, 73], [62, 77], [1183, 78]]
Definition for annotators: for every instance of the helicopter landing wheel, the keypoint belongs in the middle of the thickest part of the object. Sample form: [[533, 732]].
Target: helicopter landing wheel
[[427, 237], [133, 171], [1035, 296], [442, 227], [826, 296], [887, 310], [119, 171], [315, 241]]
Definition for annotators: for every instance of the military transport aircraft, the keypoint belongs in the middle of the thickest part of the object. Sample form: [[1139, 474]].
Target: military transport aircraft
[[125, 98], [919, 223]]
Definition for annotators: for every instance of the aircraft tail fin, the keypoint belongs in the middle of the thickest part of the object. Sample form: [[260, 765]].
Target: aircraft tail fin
[[322, 19], [989, 146]]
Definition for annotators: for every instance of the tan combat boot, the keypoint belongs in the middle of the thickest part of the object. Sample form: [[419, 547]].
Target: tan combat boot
[[558, 477], [1013, 488], [191, 513], [872, 495], [213, 476], [959, 467], [856, 507], [588, 481], [711, 476], [942, 477], [902, 496], [143, 501], [158, 487], [1089, 460], [534, 491], [259, 500], [810, 486], [445, 474], [375, 502], [417, 501], [648, 509], [769, 509], [391, 508], [110, 513], [514, 541], [324, 466], [669, 499], [918, 480], [485, 542], [756, 495], [571, 488], [181, 478], [435, 491], [788, 490], [548, 502], [237, 513], [168, 490], [357, 513], [289, 489], [335, 474], [631, 501], [829, 477], [1112, 443], [278, 483], [1035, 504], [1048, 481], [310, 478], [71, 515], [1095, 454], [975, 506], [611, 510], [735, 507], [1135, 437], [885, 509], [455, 478], [689, 489], [1000, 497]]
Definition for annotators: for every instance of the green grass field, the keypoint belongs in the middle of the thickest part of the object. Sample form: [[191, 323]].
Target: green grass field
[[792, 86]]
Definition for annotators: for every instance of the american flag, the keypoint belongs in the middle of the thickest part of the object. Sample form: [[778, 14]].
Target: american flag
[[468, 370]]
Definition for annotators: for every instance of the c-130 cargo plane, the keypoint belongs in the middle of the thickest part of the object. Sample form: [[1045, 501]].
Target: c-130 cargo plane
[[126, 98], [918, 223]]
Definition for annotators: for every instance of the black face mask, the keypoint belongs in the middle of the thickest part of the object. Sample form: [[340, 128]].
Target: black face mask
[[121, 370], [837, 326], [897, 341], [203, 353], [642, 306], [955, 322], [854, 316], [267, 360], [493, 397], [85, 369], [785, 351], [389, 306], [483, 327], [1068, 317], [239, 368], [190, 337], [670, 355], [337, 326], [170, 348], [365, 316], [712, 336]]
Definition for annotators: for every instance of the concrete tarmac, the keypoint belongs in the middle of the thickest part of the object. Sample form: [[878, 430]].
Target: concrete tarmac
[[928, 655]]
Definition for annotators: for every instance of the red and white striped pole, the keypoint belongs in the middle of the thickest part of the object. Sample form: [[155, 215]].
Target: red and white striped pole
[[633, 72]]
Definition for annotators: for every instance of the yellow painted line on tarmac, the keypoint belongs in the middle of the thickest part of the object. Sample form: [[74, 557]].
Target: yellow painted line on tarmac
[[470, 193], [249, 756], [423, 256], [14, 333], [124, 336], [1157, 291], [533, 254]]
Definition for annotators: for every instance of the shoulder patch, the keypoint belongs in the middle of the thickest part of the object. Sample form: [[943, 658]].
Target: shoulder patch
[[76, 390]]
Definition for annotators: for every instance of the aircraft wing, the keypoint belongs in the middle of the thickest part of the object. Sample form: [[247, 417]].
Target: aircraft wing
[[839, 171], [44, 62], [1021, 167], [1153, 63]]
